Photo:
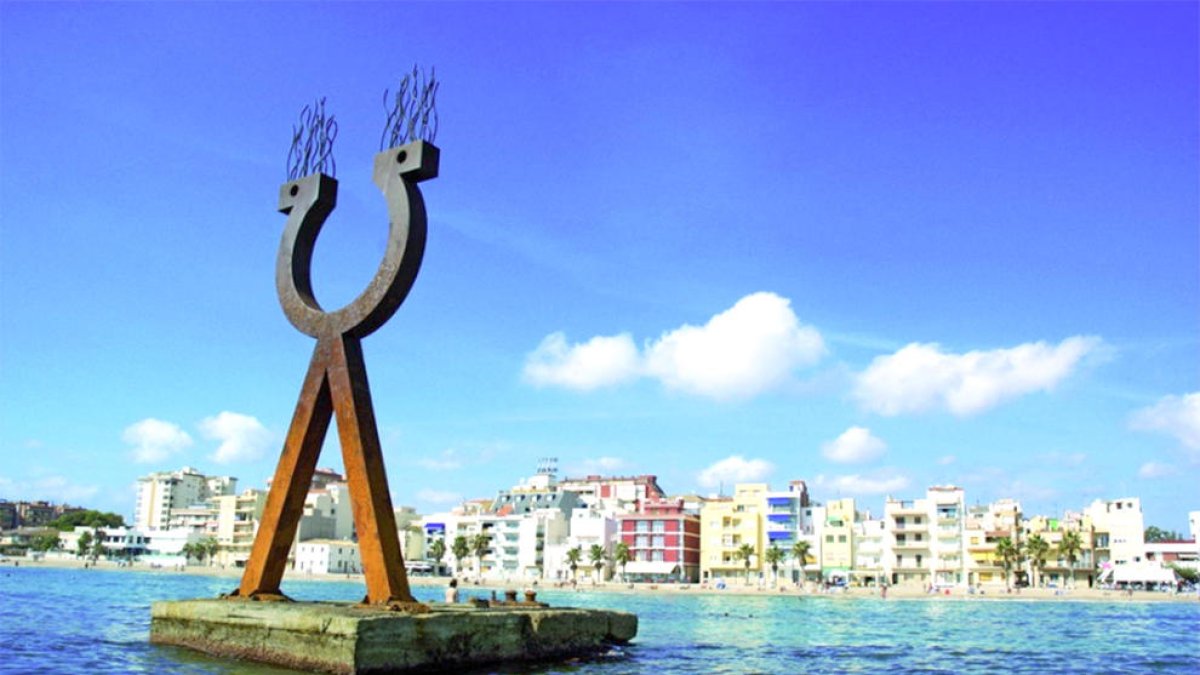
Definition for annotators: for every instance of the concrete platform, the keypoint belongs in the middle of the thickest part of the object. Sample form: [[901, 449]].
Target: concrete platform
[[346, 638]]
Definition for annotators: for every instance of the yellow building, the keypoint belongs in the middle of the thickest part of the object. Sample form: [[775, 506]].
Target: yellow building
[[837, 539], [727, 524]]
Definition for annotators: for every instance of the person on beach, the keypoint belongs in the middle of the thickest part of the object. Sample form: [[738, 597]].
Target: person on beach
[[452, 591]]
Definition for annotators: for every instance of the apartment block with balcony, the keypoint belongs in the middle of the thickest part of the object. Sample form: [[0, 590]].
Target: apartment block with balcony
[[907, 549], [728, 524], [837, 539], [163, 492], [663, 540]]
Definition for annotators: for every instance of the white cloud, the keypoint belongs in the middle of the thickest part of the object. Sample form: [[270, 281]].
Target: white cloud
[[856, 484], [155, 440], [56, 489], [243, 438], [734, 469], [599, 362], [854, 446], [600, 465], [748, 349], [439, 496], [1178, 416], [1154, 470], [921, 377], [448, 460], [947, 460]]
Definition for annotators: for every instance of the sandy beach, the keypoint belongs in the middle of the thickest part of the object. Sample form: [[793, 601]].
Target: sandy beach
[[733, 587]]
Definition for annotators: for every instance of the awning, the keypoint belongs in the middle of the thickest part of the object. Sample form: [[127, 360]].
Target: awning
[[1135, 572], [648, 567]]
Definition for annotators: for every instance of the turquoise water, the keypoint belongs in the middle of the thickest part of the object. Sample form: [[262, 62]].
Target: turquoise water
[[54, 621]]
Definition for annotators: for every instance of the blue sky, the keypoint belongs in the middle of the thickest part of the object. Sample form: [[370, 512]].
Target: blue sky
[[872, 246]]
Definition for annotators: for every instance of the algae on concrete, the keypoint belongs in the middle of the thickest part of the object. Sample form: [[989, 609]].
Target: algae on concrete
[[345, 638]]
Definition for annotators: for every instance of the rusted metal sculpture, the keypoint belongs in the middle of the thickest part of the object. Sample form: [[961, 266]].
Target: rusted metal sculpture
[[336, 383]]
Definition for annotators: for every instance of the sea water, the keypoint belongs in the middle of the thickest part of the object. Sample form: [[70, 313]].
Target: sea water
[[74, 621]]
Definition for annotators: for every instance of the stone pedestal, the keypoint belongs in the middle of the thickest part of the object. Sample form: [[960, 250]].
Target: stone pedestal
[[345, 638]]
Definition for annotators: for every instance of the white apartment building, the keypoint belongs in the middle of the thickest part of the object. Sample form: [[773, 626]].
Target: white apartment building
[[162, 492], [1119, 531], [587, 527], [237, 524], [923, 541], [869, 534], [328, 556]]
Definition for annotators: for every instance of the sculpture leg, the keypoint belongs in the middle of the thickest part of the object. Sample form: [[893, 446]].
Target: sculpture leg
[[378, 542], [293, 476]]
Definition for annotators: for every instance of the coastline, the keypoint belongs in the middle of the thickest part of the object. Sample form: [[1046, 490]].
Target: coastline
[[733, 587]]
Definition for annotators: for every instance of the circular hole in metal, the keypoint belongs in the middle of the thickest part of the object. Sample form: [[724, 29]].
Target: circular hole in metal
[[401, 156], [295, 190]]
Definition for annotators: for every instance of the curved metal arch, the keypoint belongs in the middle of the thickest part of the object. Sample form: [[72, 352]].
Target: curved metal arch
[[309, 201]]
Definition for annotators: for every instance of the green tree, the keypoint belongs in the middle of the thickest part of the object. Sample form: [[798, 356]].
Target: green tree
[[460, 548], [622, 556], [1188, 574], [88, 518], [190, 551], [744, 553], [596, 556], [1154, 534], [479, 546], [84, 544], [97, 545], [1069, 547], [210, 546], [773, 556], [800, 555], [1037, 549], [573, 557], [437, 551], [45, 542]]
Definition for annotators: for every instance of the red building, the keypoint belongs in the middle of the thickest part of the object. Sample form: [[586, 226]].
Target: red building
[[663, 541]]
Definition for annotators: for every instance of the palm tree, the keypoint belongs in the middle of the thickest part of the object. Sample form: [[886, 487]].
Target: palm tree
[[1008, 553], [189, 552], [210, 545], [437, 551], [800, 555], [460, 548], [744, 552], [596, 555], [1070, 548], [573, 557], [479, 546], [774, 556], [1037, 549], [622, 556]]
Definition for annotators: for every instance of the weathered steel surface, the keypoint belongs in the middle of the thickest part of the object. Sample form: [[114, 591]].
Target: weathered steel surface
[[336, 383]]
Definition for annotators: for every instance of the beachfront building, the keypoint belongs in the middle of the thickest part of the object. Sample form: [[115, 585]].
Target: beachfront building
[[868, 551], [160, 493], [328, 556], [924, 539], [1119, 531], [790, 519], [728, 524], [663, 540], [837, 540], [237, 524]]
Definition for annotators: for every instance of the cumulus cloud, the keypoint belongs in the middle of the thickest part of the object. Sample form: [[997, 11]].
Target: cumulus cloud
[[922, 377], [439, 496], [1151, 470], [748, 349], [243, 438], [1178, 416], [154, 440], [734, 469], [599, 362], [854, 446], [857, 484], [448, 460]]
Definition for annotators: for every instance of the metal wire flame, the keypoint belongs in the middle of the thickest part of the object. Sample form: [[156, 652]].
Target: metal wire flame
[[312, 143], [412, 112]]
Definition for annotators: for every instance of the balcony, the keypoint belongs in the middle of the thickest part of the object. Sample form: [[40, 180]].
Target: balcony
[[903, 508], [911, 545]]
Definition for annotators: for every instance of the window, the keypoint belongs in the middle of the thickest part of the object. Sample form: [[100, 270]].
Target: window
[[900, 521], [660, 526], [841, 538], [829, 538], [643, 541], [643, 526], [659, 541]]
